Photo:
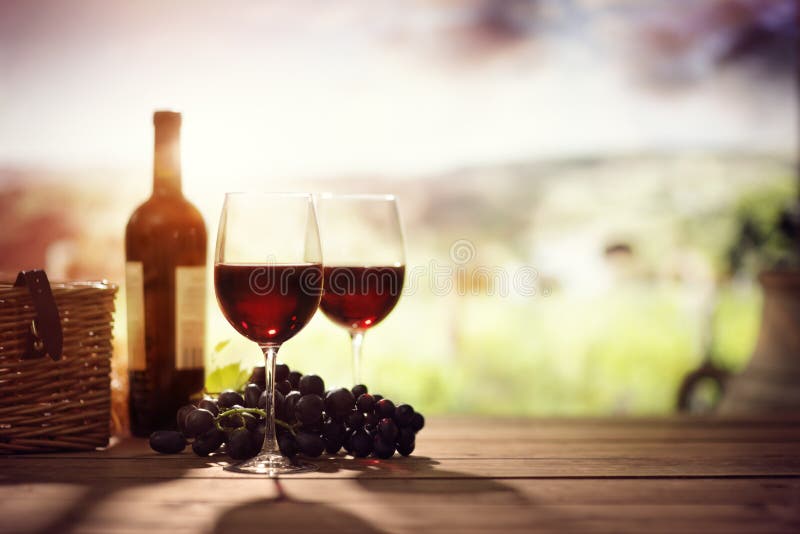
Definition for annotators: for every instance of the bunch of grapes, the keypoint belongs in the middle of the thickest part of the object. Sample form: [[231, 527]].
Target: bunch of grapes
[[309, 421]]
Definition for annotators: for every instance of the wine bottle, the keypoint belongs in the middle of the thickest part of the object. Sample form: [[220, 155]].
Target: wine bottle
[[165, 272]]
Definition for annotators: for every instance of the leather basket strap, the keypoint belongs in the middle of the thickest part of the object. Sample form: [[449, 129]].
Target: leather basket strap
[[45, 337]]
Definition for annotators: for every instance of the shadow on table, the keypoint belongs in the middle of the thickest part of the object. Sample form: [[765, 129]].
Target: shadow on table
[[420, 475], [399, 476], [456, 501], [412, 476], [284, 513], [98, 481]]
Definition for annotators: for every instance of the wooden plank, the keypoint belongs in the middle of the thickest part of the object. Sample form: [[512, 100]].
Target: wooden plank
[[551, 492], [442, 454], [491, 449], [468, 475], [429, 505], [458, 436], [76, 469], [682, 430], [261, 515], [522, 449], [478, 518]]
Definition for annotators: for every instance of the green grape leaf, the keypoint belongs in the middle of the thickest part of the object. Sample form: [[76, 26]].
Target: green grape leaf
[[229, 377]]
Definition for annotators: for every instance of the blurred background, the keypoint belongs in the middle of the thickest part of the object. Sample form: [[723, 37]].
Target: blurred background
[[633, 158]]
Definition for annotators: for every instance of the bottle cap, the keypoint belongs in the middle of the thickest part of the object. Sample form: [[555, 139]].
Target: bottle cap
[[170, 119]]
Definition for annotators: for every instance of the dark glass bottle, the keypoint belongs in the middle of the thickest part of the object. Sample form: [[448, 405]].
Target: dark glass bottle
[[165, 249]]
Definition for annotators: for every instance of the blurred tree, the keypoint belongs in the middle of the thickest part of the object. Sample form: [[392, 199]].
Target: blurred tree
[[683, 42], [767, 234]]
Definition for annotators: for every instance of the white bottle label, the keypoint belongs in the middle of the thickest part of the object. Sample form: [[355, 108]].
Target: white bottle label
[[190, 317], [134, 295]]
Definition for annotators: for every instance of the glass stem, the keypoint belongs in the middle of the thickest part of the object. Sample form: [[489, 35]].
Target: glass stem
[[356, 338], [270, 445]]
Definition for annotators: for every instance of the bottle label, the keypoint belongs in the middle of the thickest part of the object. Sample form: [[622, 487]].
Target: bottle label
[[134, 295], [190, 317]]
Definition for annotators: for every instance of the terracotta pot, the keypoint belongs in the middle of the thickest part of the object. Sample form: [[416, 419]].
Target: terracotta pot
[[771, 381]]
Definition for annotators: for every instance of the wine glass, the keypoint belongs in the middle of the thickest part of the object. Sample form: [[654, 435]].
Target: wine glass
[[362, 241], [268, 281]]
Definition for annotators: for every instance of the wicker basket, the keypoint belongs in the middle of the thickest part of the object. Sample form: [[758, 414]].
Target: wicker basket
[[54, 383]]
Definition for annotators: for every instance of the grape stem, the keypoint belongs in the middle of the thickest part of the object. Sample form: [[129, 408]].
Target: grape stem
[[256, 411], [287, 426]]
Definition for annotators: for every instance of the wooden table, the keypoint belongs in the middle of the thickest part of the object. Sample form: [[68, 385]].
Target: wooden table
[[676, 475]]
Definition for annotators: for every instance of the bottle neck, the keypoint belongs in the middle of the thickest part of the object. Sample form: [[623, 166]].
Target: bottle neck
[[167, 162]]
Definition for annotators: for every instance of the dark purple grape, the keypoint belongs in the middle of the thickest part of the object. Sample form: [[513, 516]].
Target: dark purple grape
[[208, 442], [312, 384], [289, 406], [251, 394], [309, 409], [365, 403], [210, 405], [294, 379], [229, 398], [384, 408], [359, 390], [167, 441], [310, 444], [332, 446], [281, 372], [417, 422], [262, 401], [339, 403], [284, 387], [180, 417], [355, 420], [376, 397], [329, 406], [348, 444], [382, 448], [370, 421], [387, 430], [257, 435], [313, 427], [406, 448], [360, 444], [405, 435], [403, 415], [258, 377], [405, 441], [334, 435], [198, 422], [240, 444], [287, 445]]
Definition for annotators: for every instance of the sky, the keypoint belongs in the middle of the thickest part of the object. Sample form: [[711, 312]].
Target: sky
[[317, 89]]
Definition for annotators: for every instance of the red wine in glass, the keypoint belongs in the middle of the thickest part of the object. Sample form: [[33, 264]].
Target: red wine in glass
[[363, 246], [268, 303], [360, 297], [268, 282]]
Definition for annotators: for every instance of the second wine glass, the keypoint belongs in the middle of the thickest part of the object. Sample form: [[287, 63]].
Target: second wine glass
[[362, 241]]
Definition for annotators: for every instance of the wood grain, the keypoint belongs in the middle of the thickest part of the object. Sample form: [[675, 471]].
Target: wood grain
[[468, 475]]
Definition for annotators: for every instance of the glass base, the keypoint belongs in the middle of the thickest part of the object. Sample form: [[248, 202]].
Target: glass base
[[271, 465]]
